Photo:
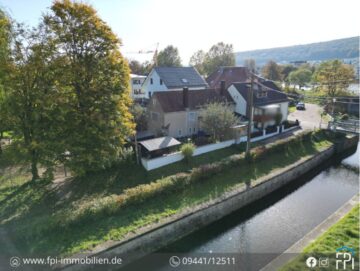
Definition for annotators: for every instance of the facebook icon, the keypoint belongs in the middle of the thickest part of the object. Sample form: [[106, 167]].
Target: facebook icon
[[311, 262]]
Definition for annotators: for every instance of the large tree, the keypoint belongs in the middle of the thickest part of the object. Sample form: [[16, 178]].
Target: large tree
[[216, 120], [285, 71], [271, 71], [300, 77], [140, 68], [5, 33], [220, 54], [94, 83], [197, 60], [334, 76], [169, 57], [31, 95]]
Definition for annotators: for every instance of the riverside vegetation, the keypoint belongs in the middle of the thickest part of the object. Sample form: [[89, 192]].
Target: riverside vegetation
[[343, 233], [85, 211]]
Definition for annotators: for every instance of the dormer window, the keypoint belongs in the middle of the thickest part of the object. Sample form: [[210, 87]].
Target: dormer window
[[184, 80], [261, 94]]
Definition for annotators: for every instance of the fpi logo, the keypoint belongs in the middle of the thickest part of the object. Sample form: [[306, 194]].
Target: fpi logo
[[344, 258]]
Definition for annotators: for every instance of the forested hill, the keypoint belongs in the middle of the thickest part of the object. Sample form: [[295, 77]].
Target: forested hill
[[341, 49]]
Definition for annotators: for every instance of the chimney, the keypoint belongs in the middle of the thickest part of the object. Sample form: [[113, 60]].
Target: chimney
[[186, 97], [222, 88]]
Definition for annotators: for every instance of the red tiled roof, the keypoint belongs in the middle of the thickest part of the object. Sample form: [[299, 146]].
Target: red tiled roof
[[229, 75], [172, 101]]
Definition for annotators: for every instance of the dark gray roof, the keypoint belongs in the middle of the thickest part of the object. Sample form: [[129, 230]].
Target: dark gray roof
[[272, 96], [179, 77]]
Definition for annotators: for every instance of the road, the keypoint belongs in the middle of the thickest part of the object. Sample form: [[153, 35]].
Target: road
[[309, 118]]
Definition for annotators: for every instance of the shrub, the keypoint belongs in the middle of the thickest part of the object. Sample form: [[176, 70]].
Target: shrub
[[187, 150], [345, 117]]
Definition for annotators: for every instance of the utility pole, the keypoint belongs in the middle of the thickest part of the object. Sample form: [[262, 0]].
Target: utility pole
[[251, 113]]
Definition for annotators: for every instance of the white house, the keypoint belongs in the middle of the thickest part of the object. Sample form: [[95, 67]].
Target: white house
[[172, 78], [136, 82], [268, 103]]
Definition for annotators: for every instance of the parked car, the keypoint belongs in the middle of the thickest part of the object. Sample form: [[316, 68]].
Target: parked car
[[300, 106]]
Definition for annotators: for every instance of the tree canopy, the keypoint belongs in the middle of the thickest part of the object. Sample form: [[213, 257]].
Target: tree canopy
[[68, 90], [300, 77], [140, 68], [271, 71], [95, 84], [219, 55], [334, 76], [216, 120], [169, 57]]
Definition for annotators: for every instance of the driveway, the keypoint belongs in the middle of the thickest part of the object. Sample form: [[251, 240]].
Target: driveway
[[309, 118]]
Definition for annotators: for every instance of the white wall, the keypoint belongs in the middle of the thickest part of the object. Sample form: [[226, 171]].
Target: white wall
[[148, 87], [150, 164], [137, 87], [240, 107], [284, 107]]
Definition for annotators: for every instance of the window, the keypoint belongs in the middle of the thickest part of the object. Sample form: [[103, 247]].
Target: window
[[192, 116], [149, 94], [194, 130], [184, 80], [262, 94], [161, 81], [155, 116], [151, 81], [136, 82], [179, 132]]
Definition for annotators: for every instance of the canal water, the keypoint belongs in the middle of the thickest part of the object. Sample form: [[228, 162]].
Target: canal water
[[269, 226]]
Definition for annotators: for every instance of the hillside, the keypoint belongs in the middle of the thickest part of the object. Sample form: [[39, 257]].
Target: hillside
[[342, 48]]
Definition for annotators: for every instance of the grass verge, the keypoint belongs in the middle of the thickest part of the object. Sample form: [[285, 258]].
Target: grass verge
[[344, 233], [43, 218]]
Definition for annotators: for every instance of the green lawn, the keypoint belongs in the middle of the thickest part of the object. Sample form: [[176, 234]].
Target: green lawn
[[343, 233], [28, 209], [292, 109]]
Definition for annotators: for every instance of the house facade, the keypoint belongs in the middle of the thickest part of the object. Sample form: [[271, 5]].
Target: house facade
[[172, 79], [136, 82], [269, 104], [176, 113]]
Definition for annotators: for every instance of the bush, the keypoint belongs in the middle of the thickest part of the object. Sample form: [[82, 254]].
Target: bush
[[187, 150], [256, 134], [271, 129], [344, 117]]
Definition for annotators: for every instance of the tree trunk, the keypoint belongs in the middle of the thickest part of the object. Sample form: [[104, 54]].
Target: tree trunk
[[34, 169], [1, 137]]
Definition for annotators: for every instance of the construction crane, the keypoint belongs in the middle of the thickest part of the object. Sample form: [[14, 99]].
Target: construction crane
[[146, 51]]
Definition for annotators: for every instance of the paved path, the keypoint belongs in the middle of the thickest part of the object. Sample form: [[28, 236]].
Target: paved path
[[309, 118], [310, 237]]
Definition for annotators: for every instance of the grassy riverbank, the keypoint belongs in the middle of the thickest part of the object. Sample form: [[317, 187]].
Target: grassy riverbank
[[78, 214], [343, 233]]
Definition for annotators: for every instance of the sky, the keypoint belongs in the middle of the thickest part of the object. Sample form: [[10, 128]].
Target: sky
[[191, 25]]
